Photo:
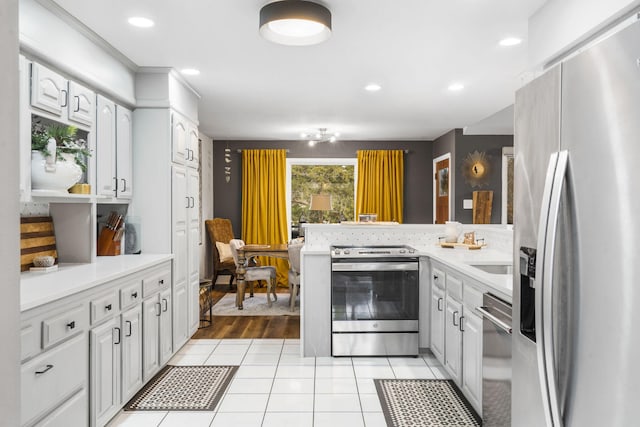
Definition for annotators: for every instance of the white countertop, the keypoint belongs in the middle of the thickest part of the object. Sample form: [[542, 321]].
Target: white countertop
[[41, 288], [461, 259]]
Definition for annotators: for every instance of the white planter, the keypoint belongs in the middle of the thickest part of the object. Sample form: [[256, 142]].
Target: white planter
[[58, 176]]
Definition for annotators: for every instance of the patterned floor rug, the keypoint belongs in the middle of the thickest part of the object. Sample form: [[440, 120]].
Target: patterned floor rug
[[425, 403], [183, 388], [255, 306]]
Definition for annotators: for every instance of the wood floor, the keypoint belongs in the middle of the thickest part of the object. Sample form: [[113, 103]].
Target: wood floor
[[248, 326]]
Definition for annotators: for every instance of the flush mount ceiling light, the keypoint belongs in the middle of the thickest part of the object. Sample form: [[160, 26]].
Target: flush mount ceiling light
[[510, 41], [372, 87], [190, 71], [295, 22], [320, 136], [140, 22]]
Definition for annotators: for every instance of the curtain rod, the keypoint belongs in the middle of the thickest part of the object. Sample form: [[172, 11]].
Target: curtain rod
[[239, 150]]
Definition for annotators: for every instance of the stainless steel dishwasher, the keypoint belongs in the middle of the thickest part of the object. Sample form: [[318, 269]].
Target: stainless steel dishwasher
[[496, 361]]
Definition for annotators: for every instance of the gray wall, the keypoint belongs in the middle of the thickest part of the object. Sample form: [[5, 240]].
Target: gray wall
[[460, 146], [418, 200], [9, 218]]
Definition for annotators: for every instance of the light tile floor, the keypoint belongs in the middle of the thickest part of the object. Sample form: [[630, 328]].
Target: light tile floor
[[274, 386]]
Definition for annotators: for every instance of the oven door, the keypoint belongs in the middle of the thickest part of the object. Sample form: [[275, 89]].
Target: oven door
[[374, 296]]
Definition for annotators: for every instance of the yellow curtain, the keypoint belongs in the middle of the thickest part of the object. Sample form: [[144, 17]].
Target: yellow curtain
[[381, 184], [264, 209]]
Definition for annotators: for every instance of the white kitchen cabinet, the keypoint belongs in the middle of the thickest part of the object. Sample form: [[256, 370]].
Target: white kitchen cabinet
[[193, 256], [131, 352], [157, 345], [179, 139], [193, 147], [472, 357], [453, 339], [124, 152], [437, 323], [106, 341], [54, 377], [63, 99], [114, 134]]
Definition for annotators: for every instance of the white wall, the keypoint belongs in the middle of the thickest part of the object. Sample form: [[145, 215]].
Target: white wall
[[561, 24], [206, 182], [9, 218], [50, 34]]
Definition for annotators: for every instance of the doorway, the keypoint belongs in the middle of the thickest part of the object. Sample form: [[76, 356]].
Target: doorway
[[441, 189]]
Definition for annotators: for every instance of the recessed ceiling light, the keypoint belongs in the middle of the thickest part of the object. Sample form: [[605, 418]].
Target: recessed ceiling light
[[510, 41], [372, 87], [454, 87], [141, 22], [190, 71]]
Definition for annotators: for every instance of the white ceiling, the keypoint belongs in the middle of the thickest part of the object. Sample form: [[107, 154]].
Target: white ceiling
[[254, 89]]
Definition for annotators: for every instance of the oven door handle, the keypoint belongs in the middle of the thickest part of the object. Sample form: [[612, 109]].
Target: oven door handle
[[375, 266]]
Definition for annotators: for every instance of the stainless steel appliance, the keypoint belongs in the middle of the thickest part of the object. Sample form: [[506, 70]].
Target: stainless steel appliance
[[374, 301], [576, 299], [496, 361]]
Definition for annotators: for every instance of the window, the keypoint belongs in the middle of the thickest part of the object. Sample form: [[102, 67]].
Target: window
[[306, 177]]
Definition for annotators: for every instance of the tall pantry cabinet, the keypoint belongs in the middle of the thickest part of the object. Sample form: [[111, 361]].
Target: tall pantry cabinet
[[167, 186]]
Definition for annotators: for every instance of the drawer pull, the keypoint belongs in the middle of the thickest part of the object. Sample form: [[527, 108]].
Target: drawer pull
[[161, 281], [134, 294], [435, 277], [71, 325], [107, 307], [46, 368]]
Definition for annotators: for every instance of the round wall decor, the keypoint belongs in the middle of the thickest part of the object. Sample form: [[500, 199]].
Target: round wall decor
[[476, 169]]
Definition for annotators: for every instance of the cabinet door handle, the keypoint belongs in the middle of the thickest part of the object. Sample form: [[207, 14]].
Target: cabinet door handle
[[124, 184], [45, 369], [158, 309], [165, 303], [71, 325], [128, 323], [107, 307], [119, 337], [115, 185], [439, 302], [75, 110], [187, 197], [65, 98], [461, 327], [134, 294], [435, 277], [454, 319], [161, 281]]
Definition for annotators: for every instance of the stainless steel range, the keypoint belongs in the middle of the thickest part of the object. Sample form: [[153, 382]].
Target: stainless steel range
[[374, 301]]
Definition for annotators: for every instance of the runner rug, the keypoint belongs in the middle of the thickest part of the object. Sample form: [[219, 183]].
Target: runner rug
[[183, 388], [428, 403]]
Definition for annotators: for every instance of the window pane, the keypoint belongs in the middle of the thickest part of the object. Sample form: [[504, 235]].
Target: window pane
[[336, 180]]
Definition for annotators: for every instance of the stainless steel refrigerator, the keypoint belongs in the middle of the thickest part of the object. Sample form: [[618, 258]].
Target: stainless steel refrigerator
[[576, 291]]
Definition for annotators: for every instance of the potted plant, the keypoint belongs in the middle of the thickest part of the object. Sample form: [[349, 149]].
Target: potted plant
[[58, 157]]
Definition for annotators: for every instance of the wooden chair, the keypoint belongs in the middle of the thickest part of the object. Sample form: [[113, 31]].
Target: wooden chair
[[253, 274], [220, 230], [294, 273]]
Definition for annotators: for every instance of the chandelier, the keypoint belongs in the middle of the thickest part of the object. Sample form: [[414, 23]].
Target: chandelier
[[319, 136]]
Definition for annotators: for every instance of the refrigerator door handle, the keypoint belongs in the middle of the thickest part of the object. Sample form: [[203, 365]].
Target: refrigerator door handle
[[549, 214]]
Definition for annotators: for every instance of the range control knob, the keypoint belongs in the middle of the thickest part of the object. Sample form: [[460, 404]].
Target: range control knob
[[337, 251], [412, 251], [402, 251], [347, 252]]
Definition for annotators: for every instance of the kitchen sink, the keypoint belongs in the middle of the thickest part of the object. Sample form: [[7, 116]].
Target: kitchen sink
[[494, 268]]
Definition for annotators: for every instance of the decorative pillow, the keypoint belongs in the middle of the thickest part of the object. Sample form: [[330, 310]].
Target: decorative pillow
[[224, 251]]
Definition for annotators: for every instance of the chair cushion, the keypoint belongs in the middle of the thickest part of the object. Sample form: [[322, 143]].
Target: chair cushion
[[259, 273], [224, 251]]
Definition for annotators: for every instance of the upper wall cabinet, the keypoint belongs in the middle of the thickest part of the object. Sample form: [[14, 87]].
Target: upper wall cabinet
[[114, 130], [66, 100]]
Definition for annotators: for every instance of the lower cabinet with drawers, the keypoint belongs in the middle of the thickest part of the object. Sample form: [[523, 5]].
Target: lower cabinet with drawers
[[456, 330], [84, 356]]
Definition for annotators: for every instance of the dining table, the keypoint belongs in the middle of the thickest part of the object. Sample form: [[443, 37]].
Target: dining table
[[247, 252]]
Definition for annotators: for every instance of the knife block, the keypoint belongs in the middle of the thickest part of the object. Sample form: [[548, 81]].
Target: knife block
[[107, 246]]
